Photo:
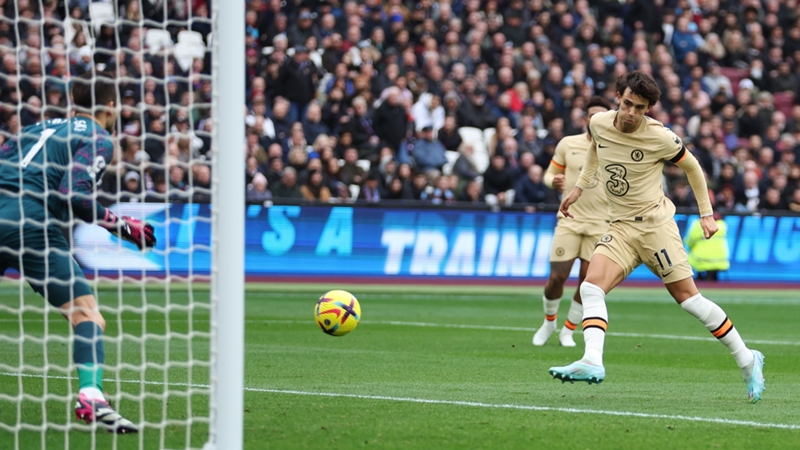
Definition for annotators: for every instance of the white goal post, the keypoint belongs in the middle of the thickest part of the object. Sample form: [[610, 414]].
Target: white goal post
[[227, 290]]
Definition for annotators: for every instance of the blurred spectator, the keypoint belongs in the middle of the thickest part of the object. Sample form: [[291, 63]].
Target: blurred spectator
[[297, 81], [370, 192], [313, 127], [287, 187], [132, 187], [448, 135], [429, 153], [158, 192], [391, 119], [465, 167], [474, 112], [749, 195], [314, 188], [472, 193], [772, 200], [254, 147], [350, 172], [715, 82], [441, 193], [361, 126], [531, 188], [251, 169], [274, 170], [681, 195], [428, 111], [201, 183], [257, 191], [177, 187], [303, 28], [685, 38], [794, 204], [498, 182], [279, 124], [419, 184]]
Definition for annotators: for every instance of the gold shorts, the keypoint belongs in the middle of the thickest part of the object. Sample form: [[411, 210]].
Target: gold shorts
[[573, 239], [660, 248]]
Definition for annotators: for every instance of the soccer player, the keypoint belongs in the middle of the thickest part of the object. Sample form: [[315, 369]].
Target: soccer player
[[47, 178], [572, 238], [629, 150]]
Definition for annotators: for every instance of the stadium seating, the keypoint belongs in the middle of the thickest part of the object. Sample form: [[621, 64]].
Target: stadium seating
[[364, 164], [783, 102], [189, 47], [452, 157], [354, 191], [157, 39], [735, 75], [101, 13]]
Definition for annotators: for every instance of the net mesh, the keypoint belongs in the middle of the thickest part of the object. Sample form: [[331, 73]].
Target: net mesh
[[157, 314]]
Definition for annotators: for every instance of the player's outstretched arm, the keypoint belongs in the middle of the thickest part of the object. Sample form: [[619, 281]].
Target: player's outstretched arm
[[130, 229], [697, 181], [78, 185]]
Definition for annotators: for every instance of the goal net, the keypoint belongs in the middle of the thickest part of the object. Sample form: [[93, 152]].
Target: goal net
[[159, 306]]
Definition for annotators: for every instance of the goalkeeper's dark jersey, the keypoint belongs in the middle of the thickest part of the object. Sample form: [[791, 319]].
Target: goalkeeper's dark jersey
[[56, 163]]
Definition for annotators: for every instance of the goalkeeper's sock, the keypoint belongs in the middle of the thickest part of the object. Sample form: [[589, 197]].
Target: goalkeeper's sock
[[717, 322], [89, 355]]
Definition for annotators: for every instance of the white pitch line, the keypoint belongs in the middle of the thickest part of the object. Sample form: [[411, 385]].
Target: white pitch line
[[716, 420], [505, 328], [475, 327]]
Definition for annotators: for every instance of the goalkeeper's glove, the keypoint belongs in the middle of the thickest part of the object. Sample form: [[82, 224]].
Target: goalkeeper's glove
[[130, 229]]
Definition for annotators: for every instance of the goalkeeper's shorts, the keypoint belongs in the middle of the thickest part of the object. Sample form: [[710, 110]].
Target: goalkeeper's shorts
[[46, 262]]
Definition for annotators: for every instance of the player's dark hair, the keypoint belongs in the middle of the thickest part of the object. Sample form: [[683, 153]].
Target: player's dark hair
[[640, 84], [599, 102], [93, 89]]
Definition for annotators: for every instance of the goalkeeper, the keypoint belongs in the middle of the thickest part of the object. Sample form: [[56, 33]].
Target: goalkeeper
[[47, 178]]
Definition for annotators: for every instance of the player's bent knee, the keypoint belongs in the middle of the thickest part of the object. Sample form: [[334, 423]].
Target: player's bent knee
[[588, 290], [604, 273], [83, 309], [682, 290], [95, 317], [559, 272], [558, 278]]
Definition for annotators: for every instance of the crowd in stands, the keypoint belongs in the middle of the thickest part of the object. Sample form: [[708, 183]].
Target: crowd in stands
[[465, 100], [438, 102], [162, 62]]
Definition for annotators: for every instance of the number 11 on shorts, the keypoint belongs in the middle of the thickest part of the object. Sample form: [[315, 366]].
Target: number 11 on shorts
[[666, 258]]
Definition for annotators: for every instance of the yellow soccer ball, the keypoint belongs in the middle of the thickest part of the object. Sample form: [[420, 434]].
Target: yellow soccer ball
[[337, 313]]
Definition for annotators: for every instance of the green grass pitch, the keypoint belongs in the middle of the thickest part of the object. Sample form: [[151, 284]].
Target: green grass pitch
[[428, 367]]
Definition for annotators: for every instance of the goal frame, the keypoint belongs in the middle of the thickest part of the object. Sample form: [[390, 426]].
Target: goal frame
[[226, 406]]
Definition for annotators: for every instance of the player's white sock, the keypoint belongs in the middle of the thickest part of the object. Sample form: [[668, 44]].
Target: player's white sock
[[717, 322], [92, 393], [549, 324], [574, 317], [595, 322], [550, 312]]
